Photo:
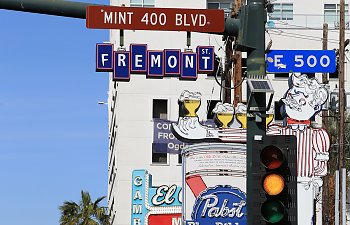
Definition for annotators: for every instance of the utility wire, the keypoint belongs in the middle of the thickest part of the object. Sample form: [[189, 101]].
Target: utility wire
[[304, 27], [304, 37]]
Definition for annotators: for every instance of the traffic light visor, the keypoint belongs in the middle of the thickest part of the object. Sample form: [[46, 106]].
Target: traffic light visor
[[272, 211], [273, 184], [271, 157]]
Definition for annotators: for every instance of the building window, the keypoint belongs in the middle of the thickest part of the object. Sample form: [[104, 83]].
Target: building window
[[142, 3], [332, 14], [310, 75], [211, 105], [335, 74], [160, 109], [159, 151], [281, 75], [226, 6], [277, 110], [159, 158], [282, 11], [179, 160]]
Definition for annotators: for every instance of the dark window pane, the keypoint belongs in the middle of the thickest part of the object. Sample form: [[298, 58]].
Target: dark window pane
[[277, 109], [310, 75], [282, 75], [211, 105], [179, 159], [329, 6], [213, 5], [161, 158], [335, 74], [160, 108]]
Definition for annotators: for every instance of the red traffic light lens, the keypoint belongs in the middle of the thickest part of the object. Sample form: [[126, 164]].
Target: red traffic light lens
[[271, 157], [273, 184]]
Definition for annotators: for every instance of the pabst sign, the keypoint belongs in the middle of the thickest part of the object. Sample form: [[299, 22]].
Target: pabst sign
[[221, 205], [214, 181]]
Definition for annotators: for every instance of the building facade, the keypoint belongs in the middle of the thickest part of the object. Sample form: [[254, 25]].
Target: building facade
[[141, 110]]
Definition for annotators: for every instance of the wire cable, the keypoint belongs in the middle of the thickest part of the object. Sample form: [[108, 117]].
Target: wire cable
[[304, 27], [231, 88], [298, 36]]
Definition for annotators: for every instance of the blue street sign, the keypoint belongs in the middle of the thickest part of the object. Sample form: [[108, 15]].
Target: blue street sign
[[303, 61], [189, 65], [205, 59], [138, 58], [155, 64], [104, 57], [172, 61], [121, 66]]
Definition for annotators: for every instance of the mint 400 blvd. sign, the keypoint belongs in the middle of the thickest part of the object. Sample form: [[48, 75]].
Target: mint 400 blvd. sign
[[141, 18]]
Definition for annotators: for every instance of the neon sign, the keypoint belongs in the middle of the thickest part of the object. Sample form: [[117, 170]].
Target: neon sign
[[154, 205]]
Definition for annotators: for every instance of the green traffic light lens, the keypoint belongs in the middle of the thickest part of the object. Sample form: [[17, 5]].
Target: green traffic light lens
[[271, 157], [272, 211]]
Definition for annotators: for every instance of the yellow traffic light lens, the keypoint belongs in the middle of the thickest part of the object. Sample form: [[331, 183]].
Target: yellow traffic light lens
[[273, 184], [271, 157]]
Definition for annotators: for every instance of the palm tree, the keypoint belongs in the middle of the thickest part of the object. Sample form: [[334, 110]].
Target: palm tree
[[84, 213]]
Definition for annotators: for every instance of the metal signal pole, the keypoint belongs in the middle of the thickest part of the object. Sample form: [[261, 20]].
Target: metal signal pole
[[341, 153], [254, 39], [49, 7]]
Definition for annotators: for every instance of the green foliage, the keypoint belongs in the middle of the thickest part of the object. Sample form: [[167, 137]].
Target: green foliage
[[84, 213]]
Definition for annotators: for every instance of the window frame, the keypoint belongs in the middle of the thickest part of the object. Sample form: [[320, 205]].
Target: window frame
[[141, 3], [226, 10], [334, 10], [281, 12], [165, 102]]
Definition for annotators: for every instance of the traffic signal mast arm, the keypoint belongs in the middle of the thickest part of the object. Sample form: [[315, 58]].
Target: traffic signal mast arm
[[49, 7]]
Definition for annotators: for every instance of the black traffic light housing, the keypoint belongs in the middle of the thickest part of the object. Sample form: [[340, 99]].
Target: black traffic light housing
[[274, 178]]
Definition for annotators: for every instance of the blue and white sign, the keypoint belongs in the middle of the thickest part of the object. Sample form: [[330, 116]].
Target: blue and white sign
[[138, 58], [189, 68], [155, 60], [172, 61], [221, 205], [304, 61], [104, 57], [138, 208], [121, 66], [164, 140], [154, 63], [205, 59], [148, 200]]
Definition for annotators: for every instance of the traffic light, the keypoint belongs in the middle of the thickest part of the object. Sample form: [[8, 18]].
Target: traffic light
[[274, 168]]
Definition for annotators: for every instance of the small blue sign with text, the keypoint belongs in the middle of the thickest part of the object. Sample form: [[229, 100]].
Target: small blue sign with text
[[303, 61]]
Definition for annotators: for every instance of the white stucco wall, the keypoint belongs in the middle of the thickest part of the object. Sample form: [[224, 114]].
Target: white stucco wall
[[131, 117]]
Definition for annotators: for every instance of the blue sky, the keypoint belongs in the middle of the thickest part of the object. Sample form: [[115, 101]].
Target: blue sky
[[53, 134]]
